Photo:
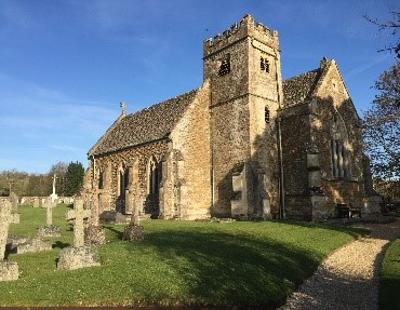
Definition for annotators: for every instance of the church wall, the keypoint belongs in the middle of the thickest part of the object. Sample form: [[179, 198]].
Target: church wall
[[191, 138], [333, 99], [295, 129], [137, 159], [230, 146]]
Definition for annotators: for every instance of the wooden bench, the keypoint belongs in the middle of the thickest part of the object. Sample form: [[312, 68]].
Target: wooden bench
[[342, 210], [354, 210]]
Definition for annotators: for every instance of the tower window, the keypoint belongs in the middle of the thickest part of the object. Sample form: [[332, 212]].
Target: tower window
[[264, 64], [225, 67], [266, 115]]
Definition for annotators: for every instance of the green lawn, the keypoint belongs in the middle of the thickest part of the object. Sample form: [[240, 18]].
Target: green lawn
[[180, 262], [390, 278]]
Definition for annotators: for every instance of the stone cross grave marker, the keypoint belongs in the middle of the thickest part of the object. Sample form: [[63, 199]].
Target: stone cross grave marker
[[14, 200], [79, 236], [8, 269], [5, 218], [49, 211]]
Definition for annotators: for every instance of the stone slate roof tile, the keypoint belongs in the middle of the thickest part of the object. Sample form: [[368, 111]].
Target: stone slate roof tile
[[299, 88], [147, 125]]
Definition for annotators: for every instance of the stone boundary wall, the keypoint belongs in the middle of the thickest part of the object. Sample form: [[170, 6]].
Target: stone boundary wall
[[39, 200]]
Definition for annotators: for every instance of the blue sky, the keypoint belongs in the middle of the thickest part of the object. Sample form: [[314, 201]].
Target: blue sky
[[66, 65]]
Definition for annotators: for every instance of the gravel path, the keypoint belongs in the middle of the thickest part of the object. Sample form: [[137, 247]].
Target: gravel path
[[348, 278]]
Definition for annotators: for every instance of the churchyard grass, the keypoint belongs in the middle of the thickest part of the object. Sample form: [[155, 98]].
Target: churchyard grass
[[179, 262], [389, 286]]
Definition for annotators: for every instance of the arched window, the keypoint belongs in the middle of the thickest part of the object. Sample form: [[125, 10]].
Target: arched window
[[154, 176], [339, 148]]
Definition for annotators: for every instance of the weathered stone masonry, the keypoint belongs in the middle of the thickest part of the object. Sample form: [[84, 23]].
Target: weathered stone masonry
[[215, 151]]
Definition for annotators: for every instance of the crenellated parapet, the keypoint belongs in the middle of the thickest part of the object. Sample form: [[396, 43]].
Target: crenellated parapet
[[246, 27]]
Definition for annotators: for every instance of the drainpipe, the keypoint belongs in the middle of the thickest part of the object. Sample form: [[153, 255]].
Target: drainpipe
[[94, 171], [282, 210]]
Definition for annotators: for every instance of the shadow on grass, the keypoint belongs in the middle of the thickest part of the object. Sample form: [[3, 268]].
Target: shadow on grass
[[117, 233], [233, 270], [355, 232], [60, 244]]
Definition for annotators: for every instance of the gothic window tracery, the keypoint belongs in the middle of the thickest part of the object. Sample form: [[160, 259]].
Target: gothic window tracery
[[339, 149], [154, 176]]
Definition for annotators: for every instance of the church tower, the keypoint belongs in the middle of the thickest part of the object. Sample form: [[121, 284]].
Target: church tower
[[243, 68]]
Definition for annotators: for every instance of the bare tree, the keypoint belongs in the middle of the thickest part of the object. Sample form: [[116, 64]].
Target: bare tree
[[393, 26], [382, 125]]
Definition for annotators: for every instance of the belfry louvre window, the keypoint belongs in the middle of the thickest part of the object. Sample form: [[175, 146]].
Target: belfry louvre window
[[264, 64], [266, 115], [225, 67], [339, 161]]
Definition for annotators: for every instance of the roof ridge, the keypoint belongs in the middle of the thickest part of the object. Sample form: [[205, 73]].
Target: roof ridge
[[149, 124], [301, 74], [155, 105]]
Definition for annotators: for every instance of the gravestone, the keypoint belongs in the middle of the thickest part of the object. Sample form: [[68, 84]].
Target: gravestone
[[8, 269], [134, 231], [36, 202], [49, 230], [33, 246], [93, 235], [15, 217], [79, 255]]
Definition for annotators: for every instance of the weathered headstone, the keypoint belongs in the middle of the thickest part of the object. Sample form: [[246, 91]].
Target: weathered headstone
[[79, 237], [14, 201], [33, 246], [93, 234], [133, 232], [8, 269], [49, 212], [36, 202], [79, 255], [15, 218], [49, 230]]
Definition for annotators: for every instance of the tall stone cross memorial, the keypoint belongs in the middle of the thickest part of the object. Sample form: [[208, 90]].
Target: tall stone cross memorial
[[8, 270], [53, 195]]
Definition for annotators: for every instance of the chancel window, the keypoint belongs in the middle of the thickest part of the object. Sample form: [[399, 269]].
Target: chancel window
[[154, 177], [339, 160], [225, 66], [264, 64], [340, 150]]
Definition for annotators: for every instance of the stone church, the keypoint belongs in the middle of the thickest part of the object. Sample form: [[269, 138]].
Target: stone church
[[244, 144]]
